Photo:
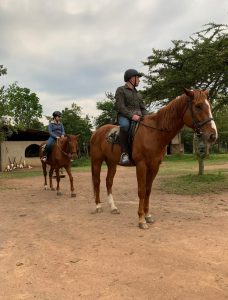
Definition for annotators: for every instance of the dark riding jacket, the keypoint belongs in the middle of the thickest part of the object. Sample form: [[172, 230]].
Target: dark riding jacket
[[129, 102]]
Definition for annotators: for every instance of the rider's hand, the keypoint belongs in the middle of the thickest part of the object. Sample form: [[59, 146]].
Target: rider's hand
[[62, 135], [136, 118]]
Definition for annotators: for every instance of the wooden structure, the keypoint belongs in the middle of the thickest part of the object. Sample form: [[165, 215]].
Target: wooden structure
[[21, 149]]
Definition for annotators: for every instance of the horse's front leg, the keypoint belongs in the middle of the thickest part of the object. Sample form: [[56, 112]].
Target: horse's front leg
[[68, 169], [141, 178], [44, 167], [109, 182], [57, 180], [50, 178], [150, 175]]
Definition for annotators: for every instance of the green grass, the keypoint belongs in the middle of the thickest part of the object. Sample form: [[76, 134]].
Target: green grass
[[81, 162], [20, 173], [188, 163], [179, 175], [192, 184]]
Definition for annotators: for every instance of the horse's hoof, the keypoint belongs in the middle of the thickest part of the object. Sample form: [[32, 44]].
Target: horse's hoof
[[149, 219], [59, 194], [99, 210], [143, 226], [73, 195], [45, 187], [115, 211]]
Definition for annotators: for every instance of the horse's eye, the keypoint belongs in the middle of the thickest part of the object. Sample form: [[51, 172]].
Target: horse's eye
[[198, 106]]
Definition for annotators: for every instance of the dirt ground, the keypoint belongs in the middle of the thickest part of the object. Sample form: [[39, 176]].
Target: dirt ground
[[54, 247]]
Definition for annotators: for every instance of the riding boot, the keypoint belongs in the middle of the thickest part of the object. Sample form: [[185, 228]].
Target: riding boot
[[124, 158]]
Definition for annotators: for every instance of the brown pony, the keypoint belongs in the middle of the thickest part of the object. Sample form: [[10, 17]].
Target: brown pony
[[154, 133], [61, 155]]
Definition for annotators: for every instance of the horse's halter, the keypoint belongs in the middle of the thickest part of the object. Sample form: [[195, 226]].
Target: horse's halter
[[196, 124], [68, 154]]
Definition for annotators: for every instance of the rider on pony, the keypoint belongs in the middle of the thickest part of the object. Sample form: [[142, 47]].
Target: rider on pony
[[130, 107], [56, 130]]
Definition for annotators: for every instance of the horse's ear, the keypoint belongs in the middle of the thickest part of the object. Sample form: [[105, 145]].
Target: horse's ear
[[189, 93], [206, 92]]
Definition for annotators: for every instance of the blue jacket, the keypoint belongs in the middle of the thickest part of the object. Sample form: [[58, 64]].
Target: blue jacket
[[56, 130]]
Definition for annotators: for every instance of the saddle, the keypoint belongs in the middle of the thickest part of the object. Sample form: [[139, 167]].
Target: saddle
[[42, 148], [113, 135]]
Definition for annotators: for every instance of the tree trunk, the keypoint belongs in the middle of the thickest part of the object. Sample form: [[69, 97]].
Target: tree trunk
[[201, 165]]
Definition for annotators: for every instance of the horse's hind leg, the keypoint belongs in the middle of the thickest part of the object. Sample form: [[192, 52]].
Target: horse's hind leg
[[109, 182], [73, 194], [58, 180], [50, 178]]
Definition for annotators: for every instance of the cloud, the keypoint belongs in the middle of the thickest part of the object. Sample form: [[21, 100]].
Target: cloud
[[68, 50]]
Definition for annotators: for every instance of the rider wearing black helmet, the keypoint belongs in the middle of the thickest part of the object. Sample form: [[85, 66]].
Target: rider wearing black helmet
[[130, 107], [56, 130], [56, 114]]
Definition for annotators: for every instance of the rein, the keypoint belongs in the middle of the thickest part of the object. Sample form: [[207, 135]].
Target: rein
[[149, 126]]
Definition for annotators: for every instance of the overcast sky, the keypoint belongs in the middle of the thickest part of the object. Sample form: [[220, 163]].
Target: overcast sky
[[76, 50]]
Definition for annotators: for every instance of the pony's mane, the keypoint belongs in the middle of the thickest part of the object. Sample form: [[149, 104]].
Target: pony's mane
[[167, 115]]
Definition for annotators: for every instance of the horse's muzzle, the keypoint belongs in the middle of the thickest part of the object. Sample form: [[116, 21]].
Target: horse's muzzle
[[209, 138], [212, 138], [74, 155]]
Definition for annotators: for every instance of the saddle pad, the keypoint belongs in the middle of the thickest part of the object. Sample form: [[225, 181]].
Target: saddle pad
[[113, 135]]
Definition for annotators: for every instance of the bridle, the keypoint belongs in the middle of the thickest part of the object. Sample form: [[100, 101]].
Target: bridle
[[196, 124], [69, 152]]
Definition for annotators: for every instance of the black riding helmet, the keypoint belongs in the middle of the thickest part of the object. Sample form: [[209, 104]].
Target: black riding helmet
[[56, 114], [130, 73]]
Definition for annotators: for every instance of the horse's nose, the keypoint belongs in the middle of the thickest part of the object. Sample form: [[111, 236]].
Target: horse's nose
[[212, 138], [74, 155]]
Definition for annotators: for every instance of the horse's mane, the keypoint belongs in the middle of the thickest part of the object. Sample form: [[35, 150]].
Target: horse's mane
[[167, 116]]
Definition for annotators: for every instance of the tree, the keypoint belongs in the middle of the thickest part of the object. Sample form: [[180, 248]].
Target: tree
[[108, 115], [23, 106], [201, 151], [3, 107], [221, 120], [3, 103], [75, 124], [201, 62], [3, 70]]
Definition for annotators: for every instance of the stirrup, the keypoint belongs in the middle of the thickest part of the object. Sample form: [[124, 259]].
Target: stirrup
[[43, 158], [124, 159]]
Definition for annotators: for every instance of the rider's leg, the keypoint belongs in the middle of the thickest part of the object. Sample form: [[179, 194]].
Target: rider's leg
[[124, 129], [48, 147]]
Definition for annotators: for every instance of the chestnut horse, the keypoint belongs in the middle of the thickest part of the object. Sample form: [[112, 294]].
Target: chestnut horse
[[63, 151], [153, 135]]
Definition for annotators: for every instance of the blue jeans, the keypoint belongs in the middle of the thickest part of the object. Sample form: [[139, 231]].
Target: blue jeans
[[124, 123], [50, 143]]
